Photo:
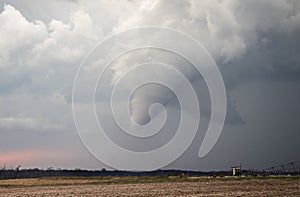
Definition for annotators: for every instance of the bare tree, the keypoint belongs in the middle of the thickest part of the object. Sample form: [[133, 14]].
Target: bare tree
[[17, 169], [2, 171]]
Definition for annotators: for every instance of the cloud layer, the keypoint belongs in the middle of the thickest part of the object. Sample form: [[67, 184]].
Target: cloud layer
[[253, 42]]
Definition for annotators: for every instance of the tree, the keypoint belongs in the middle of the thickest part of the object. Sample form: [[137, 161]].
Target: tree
[[2, 172]]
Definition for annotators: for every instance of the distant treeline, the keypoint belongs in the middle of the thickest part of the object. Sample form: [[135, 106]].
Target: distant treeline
[[38, 173]]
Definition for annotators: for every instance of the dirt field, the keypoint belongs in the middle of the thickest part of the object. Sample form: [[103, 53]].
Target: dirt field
[[151, 187]]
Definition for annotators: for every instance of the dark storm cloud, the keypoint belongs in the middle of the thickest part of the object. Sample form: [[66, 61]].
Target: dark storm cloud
[[256, 45]]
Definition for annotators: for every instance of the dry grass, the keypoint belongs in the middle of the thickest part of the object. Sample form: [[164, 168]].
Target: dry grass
[[59, 181], [151, 186]]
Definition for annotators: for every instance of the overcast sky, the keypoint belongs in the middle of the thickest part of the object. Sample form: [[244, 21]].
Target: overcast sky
[[256, 45]]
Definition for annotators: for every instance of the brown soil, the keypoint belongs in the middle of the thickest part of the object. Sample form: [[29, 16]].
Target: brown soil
[[253, 187]]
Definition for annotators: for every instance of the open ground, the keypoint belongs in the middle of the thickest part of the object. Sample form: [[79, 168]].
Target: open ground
[[152, 186]]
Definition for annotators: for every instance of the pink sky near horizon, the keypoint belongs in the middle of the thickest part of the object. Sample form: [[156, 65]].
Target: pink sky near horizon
[[30, 158]]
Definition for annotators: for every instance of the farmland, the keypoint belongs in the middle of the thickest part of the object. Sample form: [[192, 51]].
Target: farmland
[[151, 186]]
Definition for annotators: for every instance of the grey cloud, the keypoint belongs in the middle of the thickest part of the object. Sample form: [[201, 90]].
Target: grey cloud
[[253, 42]]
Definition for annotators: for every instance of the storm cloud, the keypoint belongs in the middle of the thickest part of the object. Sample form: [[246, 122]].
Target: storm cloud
[[255, 44]]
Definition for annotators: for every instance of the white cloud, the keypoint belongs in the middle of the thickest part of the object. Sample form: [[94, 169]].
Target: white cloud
[[27, 124], [17, 33], [69, 42], [42, 58]]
